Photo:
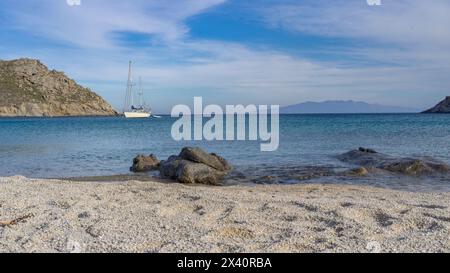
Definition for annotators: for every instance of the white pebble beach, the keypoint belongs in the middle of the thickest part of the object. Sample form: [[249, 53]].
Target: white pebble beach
[[154, 216]]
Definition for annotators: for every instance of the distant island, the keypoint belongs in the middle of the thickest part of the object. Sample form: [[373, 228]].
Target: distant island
[[29, 89], [343, 107], [442, 107]]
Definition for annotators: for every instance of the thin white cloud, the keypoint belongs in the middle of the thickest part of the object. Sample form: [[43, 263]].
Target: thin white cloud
[[416, 27], [414, 73], [90, 25], [400, 21], [232, 73]]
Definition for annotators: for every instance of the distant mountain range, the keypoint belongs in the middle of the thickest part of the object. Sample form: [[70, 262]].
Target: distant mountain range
[[343, 107]]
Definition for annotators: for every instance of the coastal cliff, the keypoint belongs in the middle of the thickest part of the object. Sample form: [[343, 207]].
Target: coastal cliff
[[29, 89], [442, 107]]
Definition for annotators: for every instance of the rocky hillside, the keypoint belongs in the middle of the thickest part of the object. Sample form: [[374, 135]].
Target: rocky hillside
[[28, 88], [442, 107]]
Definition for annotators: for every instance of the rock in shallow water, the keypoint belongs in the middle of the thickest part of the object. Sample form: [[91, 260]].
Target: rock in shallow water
[[195, 166], [416, 167], [200, 156], [365, 150], [361, 171], [143, 163], [363, 157], [370, 159]]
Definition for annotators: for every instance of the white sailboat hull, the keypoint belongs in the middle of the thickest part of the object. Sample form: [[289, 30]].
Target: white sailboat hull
[[130, 109], [137, 114]]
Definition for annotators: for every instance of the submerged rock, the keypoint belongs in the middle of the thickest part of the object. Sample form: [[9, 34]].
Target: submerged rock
[[415, 167], [365, 157], [371, 160], [195, 166], [143, 163], [361, 171], [365, 150]]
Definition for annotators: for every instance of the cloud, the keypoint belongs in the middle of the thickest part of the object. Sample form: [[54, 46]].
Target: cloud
[[397, 26], [232, 73], [91, 24], [397, 21], [404, 44]]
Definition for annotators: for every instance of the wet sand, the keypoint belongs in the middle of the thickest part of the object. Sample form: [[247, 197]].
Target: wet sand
[[158, 216]]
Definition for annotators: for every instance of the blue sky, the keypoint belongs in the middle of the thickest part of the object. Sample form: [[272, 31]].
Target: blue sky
[[233, 51]]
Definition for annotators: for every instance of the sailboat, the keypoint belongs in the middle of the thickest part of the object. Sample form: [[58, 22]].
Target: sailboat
[[132, 110]]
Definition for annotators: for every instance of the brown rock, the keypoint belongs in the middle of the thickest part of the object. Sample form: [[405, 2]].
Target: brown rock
[[197, 173], [416, 167], [200, 156], [361, 171], [189, 172], [168, 168], [29, 88], [406, 166], [195, 166], [143, 163]]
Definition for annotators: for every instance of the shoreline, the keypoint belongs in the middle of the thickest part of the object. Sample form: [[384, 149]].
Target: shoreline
[[154, 176], [64, 116], [156, 216]]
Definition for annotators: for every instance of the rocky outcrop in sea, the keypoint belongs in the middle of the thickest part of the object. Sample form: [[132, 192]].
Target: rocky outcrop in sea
[[442, 107]]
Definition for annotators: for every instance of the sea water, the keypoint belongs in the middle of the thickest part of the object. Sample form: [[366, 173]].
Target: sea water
[[309, 144]]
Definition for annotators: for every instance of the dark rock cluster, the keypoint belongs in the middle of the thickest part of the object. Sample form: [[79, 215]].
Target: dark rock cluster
[[191, 166]]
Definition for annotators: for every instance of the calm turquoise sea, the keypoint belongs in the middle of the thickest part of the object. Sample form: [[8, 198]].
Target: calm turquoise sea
[[70, 147]]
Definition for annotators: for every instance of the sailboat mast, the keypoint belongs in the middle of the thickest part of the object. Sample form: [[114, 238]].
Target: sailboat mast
[[141, 93], [129, 93], [136, 111]]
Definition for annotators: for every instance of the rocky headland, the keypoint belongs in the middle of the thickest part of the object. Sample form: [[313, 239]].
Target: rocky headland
[[29, 89], [442, 107]]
